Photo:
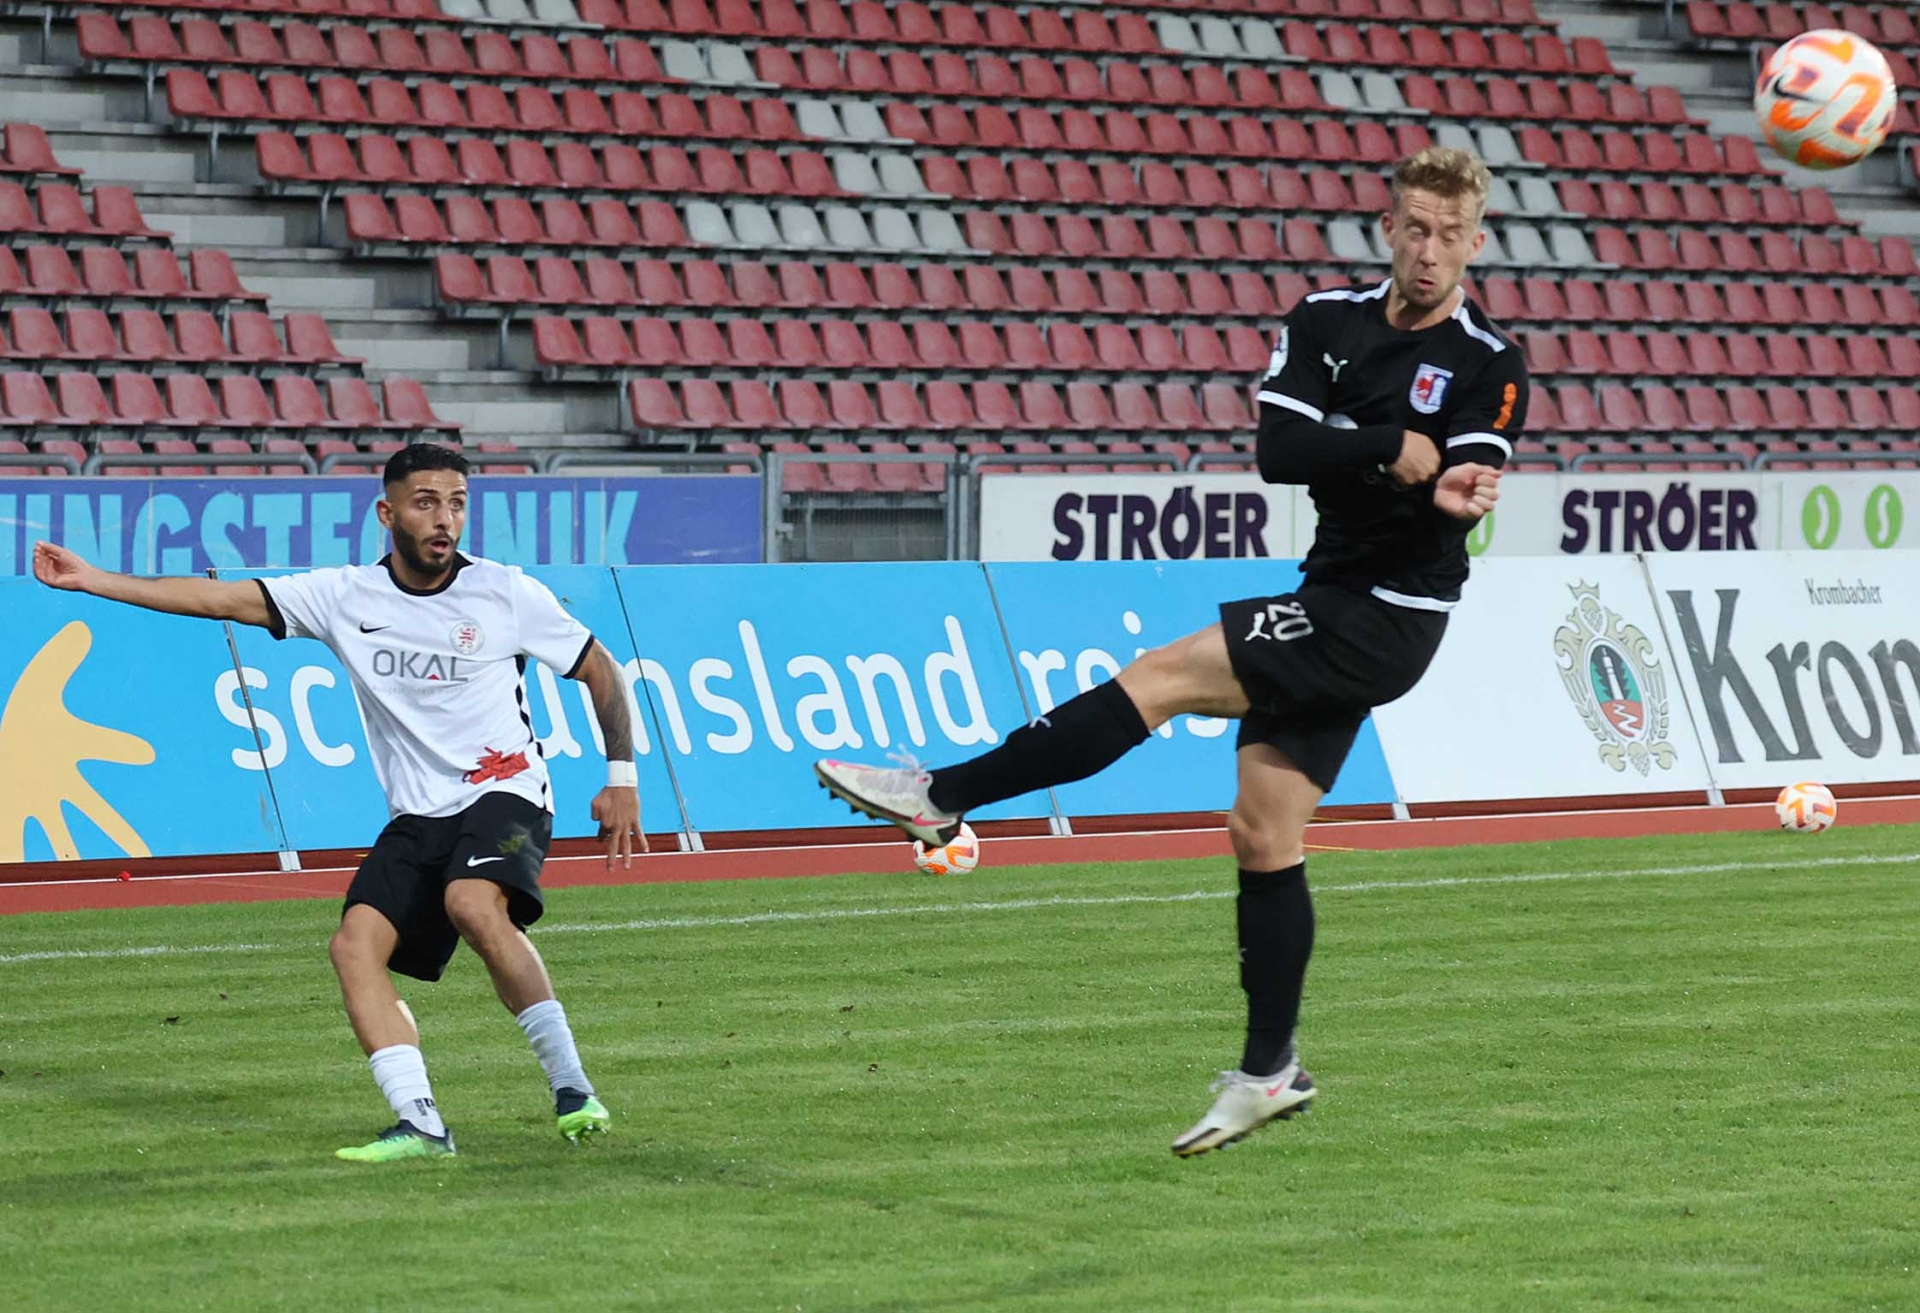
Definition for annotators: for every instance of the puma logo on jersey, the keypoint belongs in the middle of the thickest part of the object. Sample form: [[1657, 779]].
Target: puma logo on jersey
[[1282, 622], [1333, 367]]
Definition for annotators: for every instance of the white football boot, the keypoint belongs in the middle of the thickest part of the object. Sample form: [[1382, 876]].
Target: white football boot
[[890, 793], [1247, 1103]]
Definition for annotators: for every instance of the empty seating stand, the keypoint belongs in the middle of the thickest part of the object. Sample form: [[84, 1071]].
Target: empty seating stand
[[112, 346], [902, 223]]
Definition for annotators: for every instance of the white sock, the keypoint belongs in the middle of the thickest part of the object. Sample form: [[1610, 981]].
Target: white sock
[[402, 1074], [552, 1040]]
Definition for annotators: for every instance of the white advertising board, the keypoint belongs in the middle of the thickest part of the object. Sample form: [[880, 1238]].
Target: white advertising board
[[1798, 665], [1139, 517], [1160, 517], [1552, 682], [1582, 514]]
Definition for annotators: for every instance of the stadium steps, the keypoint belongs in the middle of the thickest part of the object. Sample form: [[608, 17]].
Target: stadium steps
[[1718, 87], [381, 310]]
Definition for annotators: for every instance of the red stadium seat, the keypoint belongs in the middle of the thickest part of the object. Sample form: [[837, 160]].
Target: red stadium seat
[[407, 407], [144, 336], [653, 405]]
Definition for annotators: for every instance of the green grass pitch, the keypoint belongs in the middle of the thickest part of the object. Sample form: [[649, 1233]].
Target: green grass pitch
[[1668, 1073]]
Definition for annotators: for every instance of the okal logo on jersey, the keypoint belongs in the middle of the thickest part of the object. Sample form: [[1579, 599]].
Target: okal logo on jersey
[[428, 667], [1616, 683], [467, 637], [1429, 390]]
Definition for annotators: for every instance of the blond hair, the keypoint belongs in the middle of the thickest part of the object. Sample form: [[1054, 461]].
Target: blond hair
[[1447, 173]]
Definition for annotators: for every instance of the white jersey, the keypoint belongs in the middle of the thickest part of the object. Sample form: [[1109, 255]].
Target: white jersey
[[438, 675]]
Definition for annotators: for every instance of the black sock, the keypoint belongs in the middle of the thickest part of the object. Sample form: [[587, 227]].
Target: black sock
[[1275, 914], [1078, 738]]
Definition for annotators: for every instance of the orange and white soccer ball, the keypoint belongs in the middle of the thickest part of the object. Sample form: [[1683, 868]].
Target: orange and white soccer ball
[[956, 857], [1806, 808], [1825, 99]]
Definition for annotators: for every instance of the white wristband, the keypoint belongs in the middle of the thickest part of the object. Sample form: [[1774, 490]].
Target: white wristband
[[622, 775]]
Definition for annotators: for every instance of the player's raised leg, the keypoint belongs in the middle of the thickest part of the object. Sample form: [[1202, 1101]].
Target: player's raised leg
[[385, 1028], [1274, 919], [480, 911], [1078, 738]]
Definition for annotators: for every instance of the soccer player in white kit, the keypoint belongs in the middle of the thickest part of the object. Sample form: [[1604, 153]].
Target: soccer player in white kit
[[436, 644]]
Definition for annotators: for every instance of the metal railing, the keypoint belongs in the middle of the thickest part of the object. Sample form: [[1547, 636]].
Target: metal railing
[[1593, 459], [1768, 459], [693, 461], [966, 515], [377, 459], [1201, 459], [202, 460], [1551, 459], [840, 507], [39, 461]]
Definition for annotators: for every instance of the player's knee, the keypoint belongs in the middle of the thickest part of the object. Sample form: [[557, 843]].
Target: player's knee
[[350, 948], [1263, 843], [480, 915], [1153, 681]]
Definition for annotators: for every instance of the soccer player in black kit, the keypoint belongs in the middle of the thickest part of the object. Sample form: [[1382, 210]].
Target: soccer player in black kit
[[1397, 404]]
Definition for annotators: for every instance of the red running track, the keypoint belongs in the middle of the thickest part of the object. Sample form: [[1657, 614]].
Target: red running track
[[883, 857]]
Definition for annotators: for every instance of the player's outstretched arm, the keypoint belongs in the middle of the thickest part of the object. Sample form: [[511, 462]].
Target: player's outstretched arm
[[209, 599], [616, 807]]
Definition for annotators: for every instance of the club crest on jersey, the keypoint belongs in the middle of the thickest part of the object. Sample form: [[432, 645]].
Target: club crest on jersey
[[1616, 683], [1429, 390], [467, 638]]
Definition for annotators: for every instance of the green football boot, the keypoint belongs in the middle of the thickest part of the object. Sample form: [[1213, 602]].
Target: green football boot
[[581, 1116], [404, 1140]]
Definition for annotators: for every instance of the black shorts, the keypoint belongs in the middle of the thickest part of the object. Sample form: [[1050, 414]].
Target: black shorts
[[502, 837], [1315, 662]]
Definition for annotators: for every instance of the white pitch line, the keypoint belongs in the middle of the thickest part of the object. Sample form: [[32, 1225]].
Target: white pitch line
[[1197, 895], [1032, 904], [151, 950]]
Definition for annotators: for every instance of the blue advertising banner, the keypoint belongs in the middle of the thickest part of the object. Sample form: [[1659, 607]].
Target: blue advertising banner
[[124, 733], [184, 526], [1075, 624], [758, 671], [317, 749], [109, 741]]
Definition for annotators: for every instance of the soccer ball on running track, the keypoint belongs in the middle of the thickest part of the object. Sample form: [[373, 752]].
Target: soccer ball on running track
[[956, 857], [1806, 808], [1825, 99]]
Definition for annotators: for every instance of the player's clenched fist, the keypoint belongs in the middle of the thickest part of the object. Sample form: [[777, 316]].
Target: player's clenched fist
[[1467, 492], [1419, 460]]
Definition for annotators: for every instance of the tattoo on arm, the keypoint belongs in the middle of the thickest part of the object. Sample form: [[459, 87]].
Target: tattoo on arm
[[610, 707]]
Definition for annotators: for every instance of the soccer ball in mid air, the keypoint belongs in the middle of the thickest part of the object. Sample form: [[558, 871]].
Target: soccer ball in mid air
[[956, 857], [1825, 99], [1806, 808]]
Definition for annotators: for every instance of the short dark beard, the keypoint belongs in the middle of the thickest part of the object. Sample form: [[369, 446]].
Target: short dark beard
[[408, 548]]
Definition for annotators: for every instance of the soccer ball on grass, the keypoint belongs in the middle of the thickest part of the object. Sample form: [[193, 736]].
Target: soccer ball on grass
[[956, 857], [1806, 808], [1825, 99]]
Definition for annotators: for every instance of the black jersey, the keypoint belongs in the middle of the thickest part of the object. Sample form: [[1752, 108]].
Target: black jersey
[[1338, 362]]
